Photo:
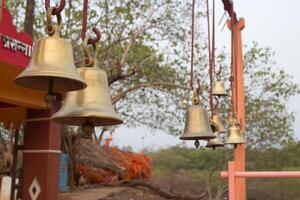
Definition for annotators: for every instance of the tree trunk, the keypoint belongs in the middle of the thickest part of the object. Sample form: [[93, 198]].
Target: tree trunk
[[29, 17], [163, 192]]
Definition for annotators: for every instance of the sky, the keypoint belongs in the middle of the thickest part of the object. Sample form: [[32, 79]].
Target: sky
[[271, 23]]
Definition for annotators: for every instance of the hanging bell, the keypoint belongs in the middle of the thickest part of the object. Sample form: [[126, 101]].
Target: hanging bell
[[52, 65], [197, 126], [216, 120], [219, 89], [234, 134], [215, 142], [91, 106]]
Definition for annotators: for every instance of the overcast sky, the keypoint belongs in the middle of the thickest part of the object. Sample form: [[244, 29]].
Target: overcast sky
[[271, 23]]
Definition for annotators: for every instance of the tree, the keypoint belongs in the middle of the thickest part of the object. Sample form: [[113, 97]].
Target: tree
[[29, 17], [145, 49], [268, 89]]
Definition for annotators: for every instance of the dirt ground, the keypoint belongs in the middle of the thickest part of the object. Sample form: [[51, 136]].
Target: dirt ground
[[90, 194], [112, 193], [175, 184]]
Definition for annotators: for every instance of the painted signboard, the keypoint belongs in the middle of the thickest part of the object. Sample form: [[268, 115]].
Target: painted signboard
[[15, 47]]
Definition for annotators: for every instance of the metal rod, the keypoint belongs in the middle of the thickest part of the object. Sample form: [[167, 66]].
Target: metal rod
[[264, 174]]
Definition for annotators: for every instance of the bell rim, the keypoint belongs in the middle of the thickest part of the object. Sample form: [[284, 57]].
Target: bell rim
[[207, 137], [233, 141], [222, 131], [28, 81], [79, 120], [219, 94]]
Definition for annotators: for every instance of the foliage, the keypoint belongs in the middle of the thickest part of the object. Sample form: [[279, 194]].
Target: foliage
[[267, 90], [145, 49], [195, 164]]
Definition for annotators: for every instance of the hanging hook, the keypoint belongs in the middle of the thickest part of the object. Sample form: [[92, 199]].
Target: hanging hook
[[216, 105], [196, 92], [88, 60], [97, 38], [50, 27], [219, 72], [57, 10]]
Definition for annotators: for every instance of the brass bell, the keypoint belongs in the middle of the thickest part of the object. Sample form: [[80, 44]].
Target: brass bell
[[197, 126], [219, 89], [234, 134], [52, 65], [92, 104], [215, 142], [216, 120]]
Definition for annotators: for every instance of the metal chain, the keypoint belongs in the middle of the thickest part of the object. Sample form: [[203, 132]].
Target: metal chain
[[56, 10]]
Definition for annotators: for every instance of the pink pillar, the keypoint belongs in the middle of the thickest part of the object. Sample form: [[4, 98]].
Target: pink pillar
[[41, 156], [231, 180]]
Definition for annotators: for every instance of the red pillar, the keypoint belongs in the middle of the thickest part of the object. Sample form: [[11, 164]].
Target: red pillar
[[41, 156], [236, 26]]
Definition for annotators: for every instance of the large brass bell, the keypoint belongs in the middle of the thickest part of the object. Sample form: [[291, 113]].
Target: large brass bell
[[215, 142], [91, 106], [219, 89], [197, 126], [52, 65], [234, 134], [216, 120]]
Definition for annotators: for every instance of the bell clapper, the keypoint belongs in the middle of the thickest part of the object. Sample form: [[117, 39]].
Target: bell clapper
[[88, 128], [50, 97], [197, 144]]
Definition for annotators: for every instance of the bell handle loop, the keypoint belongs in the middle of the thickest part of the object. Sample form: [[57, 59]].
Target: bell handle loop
[[50, 28], [235, 121], [195, 99], [88, 60], [219, 73], [216, 105]]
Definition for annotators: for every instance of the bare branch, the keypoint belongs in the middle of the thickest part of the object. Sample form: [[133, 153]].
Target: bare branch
[[157, 85]]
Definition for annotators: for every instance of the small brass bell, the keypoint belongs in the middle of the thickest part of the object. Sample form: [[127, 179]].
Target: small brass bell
[[215, 142], [52, 65], [197, 126], [216, 120], [219, 89], [234, 134], [89, 106]]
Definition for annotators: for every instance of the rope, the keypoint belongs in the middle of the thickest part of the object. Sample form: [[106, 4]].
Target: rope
[[233, 64], [84, 19], [213, 39], [56, 10], [210, 60], [192, 46], [84, 24], [3, 3]]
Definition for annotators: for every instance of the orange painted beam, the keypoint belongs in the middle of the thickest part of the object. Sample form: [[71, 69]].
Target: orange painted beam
[[13, 114], [239, 152], [239, 101], [13, 94]]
